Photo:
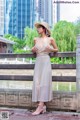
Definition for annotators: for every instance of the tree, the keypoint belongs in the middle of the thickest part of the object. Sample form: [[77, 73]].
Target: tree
[[26, 42], [63, 33], [19, 43], [30, 34], [77, 27]]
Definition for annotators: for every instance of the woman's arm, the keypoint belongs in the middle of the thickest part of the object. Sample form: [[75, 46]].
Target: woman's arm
[[53, 43], [52, 48], [34, 49]]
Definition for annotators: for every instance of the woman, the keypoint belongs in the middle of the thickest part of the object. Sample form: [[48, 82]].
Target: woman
[[42, 79]]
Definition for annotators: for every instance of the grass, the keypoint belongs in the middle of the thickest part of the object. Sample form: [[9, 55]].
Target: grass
[[64, 86], [57, 60], [63, 60]]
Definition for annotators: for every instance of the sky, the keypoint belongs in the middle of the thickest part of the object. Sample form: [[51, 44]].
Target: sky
[[70, 11]]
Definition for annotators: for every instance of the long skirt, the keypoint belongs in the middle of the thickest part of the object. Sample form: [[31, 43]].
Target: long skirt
[[42, 80]]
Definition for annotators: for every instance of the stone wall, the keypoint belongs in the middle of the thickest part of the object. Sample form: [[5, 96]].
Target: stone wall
[[23, 98]]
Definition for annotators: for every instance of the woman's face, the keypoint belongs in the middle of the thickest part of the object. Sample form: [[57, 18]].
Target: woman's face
[[40, 29]]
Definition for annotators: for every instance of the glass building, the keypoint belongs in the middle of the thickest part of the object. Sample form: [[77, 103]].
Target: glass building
[[45, 10], [18, 15]]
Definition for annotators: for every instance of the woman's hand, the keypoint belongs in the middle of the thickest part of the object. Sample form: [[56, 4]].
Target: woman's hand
[[34, 49], [48, 49]]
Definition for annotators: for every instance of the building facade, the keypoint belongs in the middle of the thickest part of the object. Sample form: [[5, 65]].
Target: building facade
[[1, 17], [18, 15], [6, 46], [45, 10], [56, 11]]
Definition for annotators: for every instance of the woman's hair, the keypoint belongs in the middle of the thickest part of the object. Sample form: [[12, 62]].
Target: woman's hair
[[46, 32]]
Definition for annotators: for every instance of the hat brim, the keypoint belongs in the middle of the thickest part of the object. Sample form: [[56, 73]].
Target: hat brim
[[38, 24]]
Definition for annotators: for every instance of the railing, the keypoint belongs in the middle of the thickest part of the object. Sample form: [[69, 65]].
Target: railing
[[61, 99], [22, 97], [31, 66]]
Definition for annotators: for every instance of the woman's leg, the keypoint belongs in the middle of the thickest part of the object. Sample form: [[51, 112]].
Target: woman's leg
[[40, 109], [41, 103]]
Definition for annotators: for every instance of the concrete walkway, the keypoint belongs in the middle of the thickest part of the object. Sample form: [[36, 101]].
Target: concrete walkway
[[24, 114]]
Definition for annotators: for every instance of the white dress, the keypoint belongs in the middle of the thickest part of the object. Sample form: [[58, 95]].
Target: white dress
[[42, 78]]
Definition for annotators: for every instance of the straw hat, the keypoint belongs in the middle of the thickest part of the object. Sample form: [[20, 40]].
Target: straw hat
[[43, 24]]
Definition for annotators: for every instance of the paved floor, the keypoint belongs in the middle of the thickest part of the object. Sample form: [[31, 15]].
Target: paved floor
[[24, 114]]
